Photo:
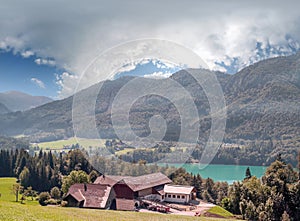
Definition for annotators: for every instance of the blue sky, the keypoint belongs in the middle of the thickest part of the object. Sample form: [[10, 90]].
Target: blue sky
[[35, 76], [19, 73]]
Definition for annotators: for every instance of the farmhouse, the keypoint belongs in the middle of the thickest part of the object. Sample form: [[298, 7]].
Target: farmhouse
[[127, 192]]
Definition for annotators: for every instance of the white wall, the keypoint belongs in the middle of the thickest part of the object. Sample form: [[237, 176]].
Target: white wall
[[171, 199]]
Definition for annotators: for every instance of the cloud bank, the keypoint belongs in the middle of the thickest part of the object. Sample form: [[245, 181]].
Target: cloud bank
[[228, 35]]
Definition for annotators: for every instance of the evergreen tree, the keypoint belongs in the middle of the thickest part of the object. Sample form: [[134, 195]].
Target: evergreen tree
[[248, 173]]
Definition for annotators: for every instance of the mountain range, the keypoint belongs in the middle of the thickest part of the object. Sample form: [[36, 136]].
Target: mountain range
[[262, 104], [18, 101]]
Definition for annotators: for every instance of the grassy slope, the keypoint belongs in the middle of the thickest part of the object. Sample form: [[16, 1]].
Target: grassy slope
[[10, 210], [14, 211], [220, 211], [6, 189], [82, 142]]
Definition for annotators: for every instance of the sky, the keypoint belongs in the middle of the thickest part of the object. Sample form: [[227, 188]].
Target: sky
[[45, 46]]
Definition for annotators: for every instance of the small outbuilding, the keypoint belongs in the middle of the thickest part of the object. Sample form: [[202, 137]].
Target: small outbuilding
[[179, 193]]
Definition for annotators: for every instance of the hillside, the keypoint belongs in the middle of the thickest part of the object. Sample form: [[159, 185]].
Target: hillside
[[262, 103], [18, 101], [13, 143]]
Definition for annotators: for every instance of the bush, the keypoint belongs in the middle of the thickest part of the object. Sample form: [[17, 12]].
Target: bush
[[64, 203], [43, 198], [55, 193], [52, 202]]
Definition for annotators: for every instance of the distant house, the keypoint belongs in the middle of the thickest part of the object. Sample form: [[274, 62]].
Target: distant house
[[179, 193], [90, 196], [126, 192]]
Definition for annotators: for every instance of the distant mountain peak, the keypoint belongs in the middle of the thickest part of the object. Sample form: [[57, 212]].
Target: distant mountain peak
[[20, 101]]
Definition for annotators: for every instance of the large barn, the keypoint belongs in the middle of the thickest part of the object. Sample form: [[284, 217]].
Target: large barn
[[125, 192]]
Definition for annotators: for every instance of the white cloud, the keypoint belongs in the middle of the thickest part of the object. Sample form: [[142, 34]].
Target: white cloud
[[27, 54], [67, 83], [11, 43], [128, 67], [158, 75], [38, 82], [218, 31], [45, 61]]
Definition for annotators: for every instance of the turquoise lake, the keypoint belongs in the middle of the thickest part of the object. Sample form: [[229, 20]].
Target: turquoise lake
[[229, 173]]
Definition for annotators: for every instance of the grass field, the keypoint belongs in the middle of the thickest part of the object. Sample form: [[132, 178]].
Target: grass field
[[14, 211], [59, 144], [5, 189], [32, 211], [126, 150]]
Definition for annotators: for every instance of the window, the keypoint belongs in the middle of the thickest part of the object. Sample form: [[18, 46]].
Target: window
[[169, 195], [182, 197], [174, 196], [178, 197]]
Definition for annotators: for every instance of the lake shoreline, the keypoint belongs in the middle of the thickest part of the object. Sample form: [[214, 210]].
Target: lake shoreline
[[220, 172]]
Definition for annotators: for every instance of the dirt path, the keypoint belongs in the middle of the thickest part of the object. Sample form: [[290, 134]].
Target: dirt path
[[201, 208]]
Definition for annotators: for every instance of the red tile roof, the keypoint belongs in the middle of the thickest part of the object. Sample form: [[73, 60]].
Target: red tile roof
[[93, 195], [109, 179], [146, 181], [135, 183]]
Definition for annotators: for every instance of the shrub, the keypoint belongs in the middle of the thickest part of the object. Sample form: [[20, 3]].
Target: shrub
[[43, 198], [52, 202], [64, 203], [55, 193]]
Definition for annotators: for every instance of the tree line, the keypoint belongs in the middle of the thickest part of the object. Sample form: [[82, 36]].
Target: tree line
[[43, 170]]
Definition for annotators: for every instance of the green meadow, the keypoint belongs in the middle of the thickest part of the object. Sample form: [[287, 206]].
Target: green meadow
[[59, 144]]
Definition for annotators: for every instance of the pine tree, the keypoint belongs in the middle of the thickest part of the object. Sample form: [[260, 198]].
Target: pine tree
[[248, 173]]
